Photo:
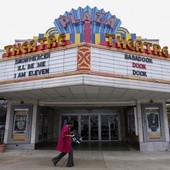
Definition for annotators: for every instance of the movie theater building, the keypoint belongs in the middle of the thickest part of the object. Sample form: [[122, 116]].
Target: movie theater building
[[113, 84]]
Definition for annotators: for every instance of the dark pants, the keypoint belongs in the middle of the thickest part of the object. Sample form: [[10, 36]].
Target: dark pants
[[70, 161]]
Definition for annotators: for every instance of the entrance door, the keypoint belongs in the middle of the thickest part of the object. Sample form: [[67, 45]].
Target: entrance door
[[89, 127], [94, 127], [105, 127], [65, 118], [85, 127], [109, 127], [114, 127], [94, 132]]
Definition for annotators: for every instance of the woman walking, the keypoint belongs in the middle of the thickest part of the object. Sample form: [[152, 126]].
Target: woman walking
[[64, 145]]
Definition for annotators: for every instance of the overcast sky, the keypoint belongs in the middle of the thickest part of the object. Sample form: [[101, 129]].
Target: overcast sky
[[23, 19]]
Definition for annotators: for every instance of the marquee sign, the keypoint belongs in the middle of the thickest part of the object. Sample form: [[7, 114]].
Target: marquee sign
[[86, 58], [110, 40], [34, 46], [100, 21], [90, 25], [122, 63], [138, 45]]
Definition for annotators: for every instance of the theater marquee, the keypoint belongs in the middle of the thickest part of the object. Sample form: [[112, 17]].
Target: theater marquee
[[99, 50]]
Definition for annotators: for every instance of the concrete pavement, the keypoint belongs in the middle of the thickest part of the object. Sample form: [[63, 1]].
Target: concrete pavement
[[85, 160]]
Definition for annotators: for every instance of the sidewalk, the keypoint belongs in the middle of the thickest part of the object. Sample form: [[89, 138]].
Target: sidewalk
[[85, 160]]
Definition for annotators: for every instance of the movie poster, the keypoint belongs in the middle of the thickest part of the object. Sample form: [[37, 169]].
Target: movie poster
[[20, 124], [153, 122]]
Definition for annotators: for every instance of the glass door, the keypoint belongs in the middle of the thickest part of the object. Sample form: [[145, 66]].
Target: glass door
[[94, 127], [43, 126], [64, 120], [109, 127], [104, 127], [114, 127], [85, 127], [94, 130], [89, 127], [74, 118]]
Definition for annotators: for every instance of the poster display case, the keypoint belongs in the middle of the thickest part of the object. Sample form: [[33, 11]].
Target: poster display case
[[153, 122], [20, 124]]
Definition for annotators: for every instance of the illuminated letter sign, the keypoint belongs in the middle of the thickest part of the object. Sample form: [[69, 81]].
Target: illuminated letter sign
[[31, 46], [120, 42]]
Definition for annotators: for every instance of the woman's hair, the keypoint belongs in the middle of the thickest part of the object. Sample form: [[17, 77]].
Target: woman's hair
[[70, 122]]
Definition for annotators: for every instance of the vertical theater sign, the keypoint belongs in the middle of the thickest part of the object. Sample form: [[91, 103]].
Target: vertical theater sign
[[87, 42]]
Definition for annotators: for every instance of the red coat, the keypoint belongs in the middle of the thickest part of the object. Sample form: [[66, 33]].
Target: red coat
[[64, 142]]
